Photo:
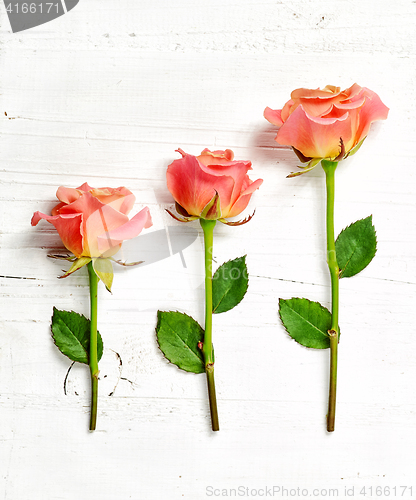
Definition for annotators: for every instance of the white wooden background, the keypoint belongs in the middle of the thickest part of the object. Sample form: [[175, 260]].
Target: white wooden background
[[105, 94]]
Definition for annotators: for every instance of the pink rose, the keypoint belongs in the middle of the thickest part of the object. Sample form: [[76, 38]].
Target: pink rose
[[326, 124], [210, 186], [93, 222]]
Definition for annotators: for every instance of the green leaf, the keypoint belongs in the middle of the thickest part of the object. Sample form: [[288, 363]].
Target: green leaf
[[71, 334], [104, 270], [306, 322], [229, 285], [355, 247], [178, 336]]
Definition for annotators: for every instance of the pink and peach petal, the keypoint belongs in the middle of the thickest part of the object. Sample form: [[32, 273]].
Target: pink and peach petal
[[55, 210], [208, 157], [101, 222], [346, 105], [252, 186], [315, 137], [329, 92], [243, 200], [193, 188], [86, 204], [237, 171], [290, 106], [69, 228], [373, 110], [85, 187], [67, 195], [127, 231], [351, 92], [274, 116], [120, 202]]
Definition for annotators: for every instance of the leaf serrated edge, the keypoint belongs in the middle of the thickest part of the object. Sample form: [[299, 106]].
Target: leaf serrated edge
[[248, 281], [159, 318], [53, 338], [375, 249], [287, 331], [54, 341]]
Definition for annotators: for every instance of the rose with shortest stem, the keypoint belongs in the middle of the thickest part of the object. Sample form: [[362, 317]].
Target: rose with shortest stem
[[210, 186], [93, 222], [326, 124]]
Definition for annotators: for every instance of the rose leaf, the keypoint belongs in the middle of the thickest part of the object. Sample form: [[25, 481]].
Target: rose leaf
[[306, 322], [355, 247], [229, 285], [71, 334], [178, 336]]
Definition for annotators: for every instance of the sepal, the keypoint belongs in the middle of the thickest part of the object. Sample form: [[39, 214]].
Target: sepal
[[237, 222], [126, 264], [355, 149], [181, 219], [104, 270], [212, 210], [307, 168], [78, 263], [69, 258]]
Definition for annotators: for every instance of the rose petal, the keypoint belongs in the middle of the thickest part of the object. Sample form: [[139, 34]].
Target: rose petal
[[315, 137], [120, 199], [101, 221], [217, 157], [192, 187], [287, 109], [328, 92], [85, 204], [372, 111], [55, 210], [127, 231], [69, 228], [274, 116], [244, 198], [67, 195], [85, 187]]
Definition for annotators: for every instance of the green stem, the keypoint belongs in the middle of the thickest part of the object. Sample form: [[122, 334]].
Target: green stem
[[329, 168], [207, 349], [93, 345]]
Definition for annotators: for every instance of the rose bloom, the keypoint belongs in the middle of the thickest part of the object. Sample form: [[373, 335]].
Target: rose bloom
[[210, 186], [93, 222], [327, 123]]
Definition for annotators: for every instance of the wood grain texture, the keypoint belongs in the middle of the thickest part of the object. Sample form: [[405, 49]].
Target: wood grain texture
[[105, 94]]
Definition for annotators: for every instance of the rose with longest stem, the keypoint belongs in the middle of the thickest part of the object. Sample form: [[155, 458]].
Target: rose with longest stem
[[329, 168], [207, 350], [93, 360]]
